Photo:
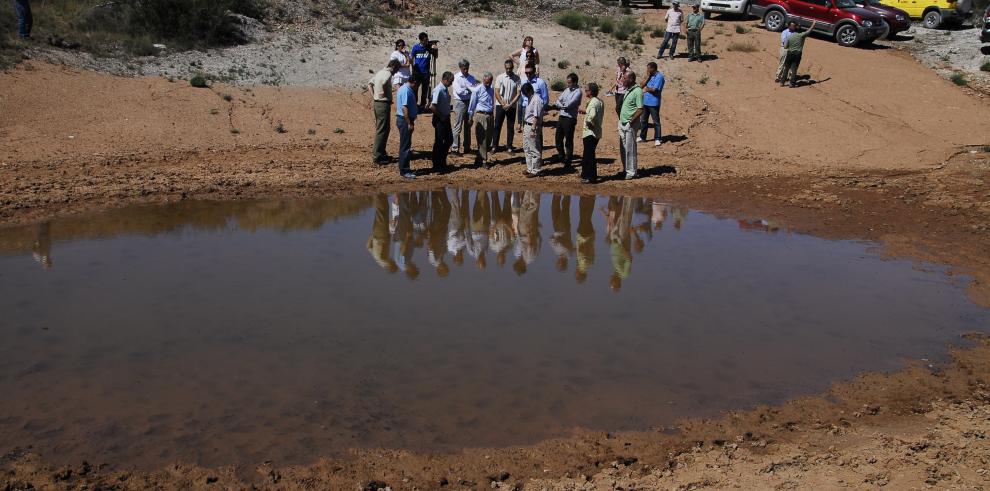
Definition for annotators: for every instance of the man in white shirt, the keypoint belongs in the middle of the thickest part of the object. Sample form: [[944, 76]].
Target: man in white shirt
[[464, 84], [506, 97], [674, 18]]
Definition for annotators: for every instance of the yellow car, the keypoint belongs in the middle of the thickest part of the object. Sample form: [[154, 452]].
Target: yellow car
[[934, 13]]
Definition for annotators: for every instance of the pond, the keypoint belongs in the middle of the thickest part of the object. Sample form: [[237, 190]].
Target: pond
[[285, 330]]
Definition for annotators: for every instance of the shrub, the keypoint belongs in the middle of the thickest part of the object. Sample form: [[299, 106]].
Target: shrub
[[985, 66], [626, 27], [741, 30], [743, 46], [558, 85], [637, 39], [563, 64], [187, 22], [959, 79], [227, 97], [607, 25], [572, 19], [433, 20], [703, 80], [338, 131], [657, 33], [198, 81]]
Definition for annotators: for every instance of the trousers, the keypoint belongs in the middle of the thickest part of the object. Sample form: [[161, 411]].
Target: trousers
[[780, 66], [671, 39], [627, 143], [442, 136], [791, 63], [505, 116], [484, 131], [644, 120], [383, 112], [694, 43], [589, 162], [461, 125], [405, 144], [564, 139], [25, 21], [532, 149]]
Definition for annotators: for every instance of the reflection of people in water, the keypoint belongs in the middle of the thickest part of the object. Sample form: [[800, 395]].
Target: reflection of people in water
[[402, 237], [41, 249], [528, 245], [380, 242], [481, 221], [585, 238], [678, 214], [768, 226], [619, 227], [560, 241], [457, 229], [437, 219], [501, 235]]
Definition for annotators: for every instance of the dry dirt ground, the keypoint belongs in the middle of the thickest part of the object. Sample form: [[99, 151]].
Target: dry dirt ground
[[872, 150]]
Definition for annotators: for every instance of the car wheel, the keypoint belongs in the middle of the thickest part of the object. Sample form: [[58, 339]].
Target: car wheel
[[847, 35], [932, 19], [886, 30], [774, 20]]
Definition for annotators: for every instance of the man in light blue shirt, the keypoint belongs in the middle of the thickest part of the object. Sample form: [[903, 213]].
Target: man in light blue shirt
[[481, 110], [791, 28], [568, 103], [652, 89], [405, 121], [539, 90]]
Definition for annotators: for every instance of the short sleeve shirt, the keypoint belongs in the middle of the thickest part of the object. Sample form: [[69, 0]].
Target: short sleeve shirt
[[656, 82], [441, 100], [403, 74], [507, 86], [406, 97], [421, 56], [631, 103], [381, 85], [534, 110]]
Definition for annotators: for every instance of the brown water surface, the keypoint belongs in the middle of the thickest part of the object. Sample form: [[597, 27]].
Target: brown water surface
[[240, 332]]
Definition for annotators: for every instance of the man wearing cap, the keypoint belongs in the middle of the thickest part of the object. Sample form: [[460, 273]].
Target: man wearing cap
[[381, 95], [464, 83], [695, 22], [480, 111], [674, 17]]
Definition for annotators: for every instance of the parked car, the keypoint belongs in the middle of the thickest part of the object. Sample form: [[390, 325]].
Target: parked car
[[740, 7], [897, 19], [985, 33], [934, 13], [840, 19]]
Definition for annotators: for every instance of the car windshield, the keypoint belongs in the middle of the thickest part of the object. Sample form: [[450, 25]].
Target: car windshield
[[845, 4]]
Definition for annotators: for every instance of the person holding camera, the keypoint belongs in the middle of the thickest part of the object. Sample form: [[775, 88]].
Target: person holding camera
[[423, 55]]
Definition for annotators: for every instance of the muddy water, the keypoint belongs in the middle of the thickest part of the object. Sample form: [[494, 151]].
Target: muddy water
[[283, 330]]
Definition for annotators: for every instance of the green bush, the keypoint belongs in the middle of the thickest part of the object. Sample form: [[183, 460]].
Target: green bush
[[558, 86], [188, 22], [985, 66], [572, 19], [637, 39], [657, 33], [741, 30], [563, 64], [198, 81], [606, 25], [434, 20], [744, 47], [625, 28], [959, 79]]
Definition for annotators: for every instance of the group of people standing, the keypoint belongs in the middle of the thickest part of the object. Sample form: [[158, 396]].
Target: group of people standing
[[454, 225], [518, 96]]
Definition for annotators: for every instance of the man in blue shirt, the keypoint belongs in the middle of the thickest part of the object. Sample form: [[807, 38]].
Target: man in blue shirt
[[791, 28], [480, 110], [405, 122], [442, 134], [652, 88], [422, 57], [539, 90], [568, 103]]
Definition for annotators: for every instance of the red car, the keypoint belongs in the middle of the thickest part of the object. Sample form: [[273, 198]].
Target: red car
[[841, 19], [897, 19]]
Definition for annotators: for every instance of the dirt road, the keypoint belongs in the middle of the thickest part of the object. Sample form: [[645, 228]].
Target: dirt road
[[873, 150]]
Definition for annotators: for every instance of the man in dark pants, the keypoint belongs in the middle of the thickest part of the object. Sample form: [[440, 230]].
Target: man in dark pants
[[506, 97], [795, 48], [422, 57], [405, 122], [593, 115], [568, 103], [442, 133], [25, 21], [652, 89]]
